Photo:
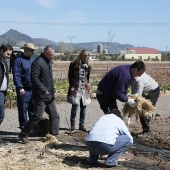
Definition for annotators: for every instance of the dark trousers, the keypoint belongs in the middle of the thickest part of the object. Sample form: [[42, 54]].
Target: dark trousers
[[145, 120], [51, 110], [82, 113], [106, 103], [2, 110], [25, 107]]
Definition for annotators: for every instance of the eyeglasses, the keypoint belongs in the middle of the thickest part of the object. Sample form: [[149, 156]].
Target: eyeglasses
[[31, 50]]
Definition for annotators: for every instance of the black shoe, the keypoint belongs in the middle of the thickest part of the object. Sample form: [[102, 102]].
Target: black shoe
[[24, 138], [82, 128], [73, 127]]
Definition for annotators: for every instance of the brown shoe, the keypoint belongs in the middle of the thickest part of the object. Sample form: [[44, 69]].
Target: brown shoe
[[24, 138]]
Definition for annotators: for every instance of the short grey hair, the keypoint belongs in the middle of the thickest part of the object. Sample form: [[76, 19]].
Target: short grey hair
[[47, 48]]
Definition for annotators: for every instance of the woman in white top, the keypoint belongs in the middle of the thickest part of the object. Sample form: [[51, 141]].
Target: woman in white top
[[148, 88], [109, 136]]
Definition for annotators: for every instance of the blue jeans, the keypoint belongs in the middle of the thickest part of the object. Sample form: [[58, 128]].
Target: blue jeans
[[113, 151], [25, 106], [82, 113], [2, 111]]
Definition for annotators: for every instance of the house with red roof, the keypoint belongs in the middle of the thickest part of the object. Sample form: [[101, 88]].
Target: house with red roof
[[137, 53]]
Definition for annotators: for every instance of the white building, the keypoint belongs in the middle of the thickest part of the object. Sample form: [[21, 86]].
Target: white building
[[140, 54]]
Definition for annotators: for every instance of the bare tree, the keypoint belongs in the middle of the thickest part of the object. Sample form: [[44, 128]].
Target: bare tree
[[61, 47], [110, 39], [71, 39]]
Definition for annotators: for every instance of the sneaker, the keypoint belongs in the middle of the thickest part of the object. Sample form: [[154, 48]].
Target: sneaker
[[24, 138], [82, 128]]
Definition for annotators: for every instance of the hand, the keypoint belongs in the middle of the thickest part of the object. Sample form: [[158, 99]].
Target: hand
[[131, 103], [46, 93], [22, 91]]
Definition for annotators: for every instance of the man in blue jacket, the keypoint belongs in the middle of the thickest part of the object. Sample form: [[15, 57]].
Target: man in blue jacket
[[115, 83], [21, 77]]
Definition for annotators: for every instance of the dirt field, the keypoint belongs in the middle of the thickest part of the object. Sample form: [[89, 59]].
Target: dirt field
[[69, 151]]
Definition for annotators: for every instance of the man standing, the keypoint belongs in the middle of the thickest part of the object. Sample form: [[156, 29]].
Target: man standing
[[21, 77], [115, 83], [148, 88], [43, 94], [5, 52]]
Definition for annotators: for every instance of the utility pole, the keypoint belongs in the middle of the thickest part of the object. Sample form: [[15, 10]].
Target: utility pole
[[71, 39]]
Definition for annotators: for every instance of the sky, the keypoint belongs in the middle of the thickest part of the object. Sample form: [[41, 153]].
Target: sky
[[141, 23]]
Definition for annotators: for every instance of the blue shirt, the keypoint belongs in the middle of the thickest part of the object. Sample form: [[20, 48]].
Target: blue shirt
[[22, 71], [116, 82]]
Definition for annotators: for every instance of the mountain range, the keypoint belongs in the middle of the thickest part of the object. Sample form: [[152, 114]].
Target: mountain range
[[15, 38]]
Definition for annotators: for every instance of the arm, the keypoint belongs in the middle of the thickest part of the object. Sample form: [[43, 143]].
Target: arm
[[17, 69], [120, 91], [35, 77], [123, 130], [71, 73], [89, 71]]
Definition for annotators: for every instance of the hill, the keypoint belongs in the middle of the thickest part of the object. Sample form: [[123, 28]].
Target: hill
[[15, 38]]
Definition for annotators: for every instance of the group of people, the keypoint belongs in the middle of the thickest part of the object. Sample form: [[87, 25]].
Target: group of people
[[110, 135], [35, 95]]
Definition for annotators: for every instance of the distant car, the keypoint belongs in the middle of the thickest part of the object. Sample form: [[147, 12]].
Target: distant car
[[15, 53]]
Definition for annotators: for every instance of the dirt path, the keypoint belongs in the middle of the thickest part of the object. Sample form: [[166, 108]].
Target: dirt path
[[69, 151]]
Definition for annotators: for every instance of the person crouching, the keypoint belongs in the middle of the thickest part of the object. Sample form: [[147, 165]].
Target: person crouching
[[109, 136]]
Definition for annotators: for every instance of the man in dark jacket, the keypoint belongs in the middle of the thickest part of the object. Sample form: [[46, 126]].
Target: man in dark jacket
[[43, 94], [5, 52], [115, 83], [21, 77]]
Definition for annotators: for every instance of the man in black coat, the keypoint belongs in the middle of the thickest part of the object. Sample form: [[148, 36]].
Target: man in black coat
[[5, 52], [43, 94]]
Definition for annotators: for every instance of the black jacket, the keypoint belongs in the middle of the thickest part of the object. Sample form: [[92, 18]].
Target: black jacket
[[42, 79]]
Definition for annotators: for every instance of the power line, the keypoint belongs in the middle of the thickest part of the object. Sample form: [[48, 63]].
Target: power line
[[85, 24], [89, 8]]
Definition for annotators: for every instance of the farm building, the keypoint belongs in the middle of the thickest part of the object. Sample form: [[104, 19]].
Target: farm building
[[138, 53]]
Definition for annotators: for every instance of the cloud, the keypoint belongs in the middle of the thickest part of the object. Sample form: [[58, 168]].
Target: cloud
[[48, 3]]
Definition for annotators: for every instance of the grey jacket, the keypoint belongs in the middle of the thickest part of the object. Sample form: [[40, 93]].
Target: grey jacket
[[42, 79], [143, 84]]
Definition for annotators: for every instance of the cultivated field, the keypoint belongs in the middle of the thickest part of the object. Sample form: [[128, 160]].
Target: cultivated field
[[160, 71]]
